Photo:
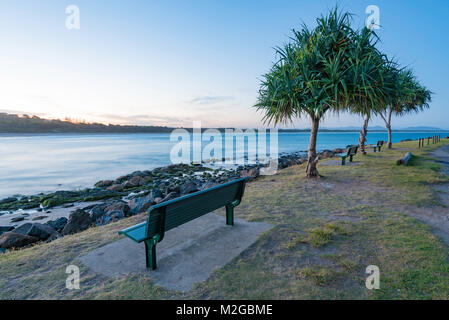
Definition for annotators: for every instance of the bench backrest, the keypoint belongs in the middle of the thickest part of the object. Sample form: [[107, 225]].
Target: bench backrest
[[352, 150], [380, 143], [171, 214]]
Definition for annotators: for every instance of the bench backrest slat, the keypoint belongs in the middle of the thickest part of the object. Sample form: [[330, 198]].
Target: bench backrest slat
[[352, 150], [192, 206]]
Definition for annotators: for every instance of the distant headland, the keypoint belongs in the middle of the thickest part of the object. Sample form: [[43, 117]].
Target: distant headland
[[14, 123]]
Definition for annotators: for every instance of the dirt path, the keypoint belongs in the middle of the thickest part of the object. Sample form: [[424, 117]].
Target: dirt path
[[438, 216]]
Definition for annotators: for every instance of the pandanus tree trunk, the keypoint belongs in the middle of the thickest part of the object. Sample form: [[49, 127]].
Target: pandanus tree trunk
[[312, 158], [363, 133], [387, 120], [390, 143], [389, 136]]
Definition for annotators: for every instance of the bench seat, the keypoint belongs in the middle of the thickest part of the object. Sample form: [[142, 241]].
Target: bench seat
[[171, 214], [352, 151], [135, 233]]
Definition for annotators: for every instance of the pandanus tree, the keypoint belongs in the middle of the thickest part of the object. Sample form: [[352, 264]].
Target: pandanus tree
[[309, 77], [366, 80], [407, 96]]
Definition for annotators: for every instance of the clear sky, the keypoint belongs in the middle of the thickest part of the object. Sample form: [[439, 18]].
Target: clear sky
[[167, 62]]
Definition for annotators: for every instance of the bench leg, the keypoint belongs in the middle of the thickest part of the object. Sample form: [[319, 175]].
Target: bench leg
[[343, 161], [379, 148], [350, 158], [375, 149], [150, 254], [230, 215]]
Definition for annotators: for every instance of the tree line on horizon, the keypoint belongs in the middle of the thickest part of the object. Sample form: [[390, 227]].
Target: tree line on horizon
[[335, 68], [13, 123]]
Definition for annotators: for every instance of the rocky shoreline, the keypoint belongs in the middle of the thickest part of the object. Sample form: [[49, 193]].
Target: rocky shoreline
[[113, 200]]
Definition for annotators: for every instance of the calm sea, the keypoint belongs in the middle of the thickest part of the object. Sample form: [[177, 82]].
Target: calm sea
[[30, 164]]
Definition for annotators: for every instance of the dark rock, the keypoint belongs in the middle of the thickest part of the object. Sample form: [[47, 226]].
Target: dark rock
[[110, 216], [118, 206], [104, 183], [55, 235], [326, 154], [8, 200], [68, 205], [58, 224], [38, 230], [187, 188], [115, 187], [78, 221], [137, 181], [339, 150], [16, 240], [17, 219], [156, 193], [138, 205], [170, 196], [97, 211], [6, 228], [39, 218], [121, 179]]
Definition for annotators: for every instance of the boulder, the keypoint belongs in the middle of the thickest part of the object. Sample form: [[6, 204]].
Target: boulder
[[326, 154], [55, 235], [17, 219], [39, 218], [137, 181], [156, 193], [170, 196], [115, 187], [134, 182], [79, 220], [138, 205], [339, 150], [58, 224], [38, 230], [97, 211], [16, 240], [8, 200], [187, 188], [104, 183], [4, 229], [118, 206], [110, 216]]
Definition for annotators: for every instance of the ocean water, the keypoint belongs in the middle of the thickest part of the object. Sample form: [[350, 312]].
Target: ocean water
[[31, 164]]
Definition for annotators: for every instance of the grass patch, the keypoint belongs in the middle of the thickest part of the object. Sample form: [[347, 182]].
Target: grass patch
[[319, 276]]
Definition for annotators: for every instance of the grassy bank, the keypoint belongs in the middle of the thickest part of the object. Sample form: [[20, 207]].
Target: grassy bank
[[327, 232]]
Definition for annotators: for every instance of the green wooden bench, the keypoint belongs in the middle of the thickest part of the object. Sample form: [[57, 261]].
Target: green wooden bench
[[352, 151], [378, 146], [171, 214]]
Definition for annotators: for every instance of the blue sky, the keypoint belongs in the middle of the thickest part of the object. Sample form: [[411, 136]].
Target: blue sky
[[173, 62]]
